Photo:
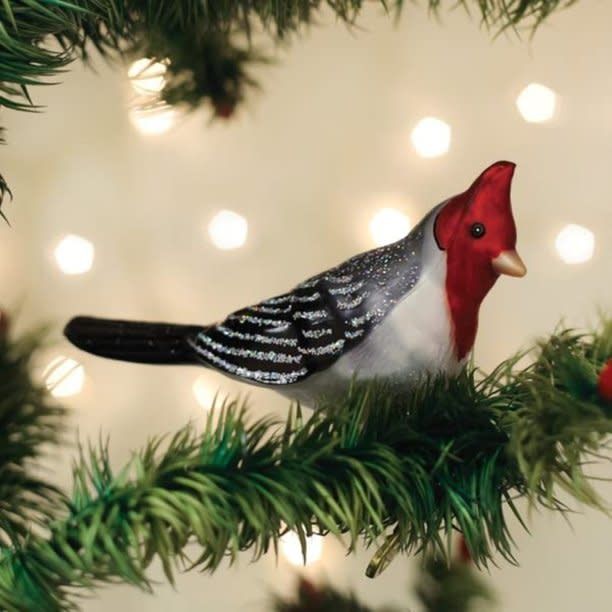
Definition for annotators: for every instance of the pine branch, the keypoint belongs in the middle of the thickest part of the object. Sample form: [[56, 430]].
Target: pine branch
[[178, 31], [29, 420], [440, 586], [450, 457], [451, 587], [205, 43]]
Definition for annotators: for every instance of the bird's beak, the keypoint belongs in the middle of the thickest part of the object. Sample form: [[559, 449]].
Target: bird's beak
[[510, 263]]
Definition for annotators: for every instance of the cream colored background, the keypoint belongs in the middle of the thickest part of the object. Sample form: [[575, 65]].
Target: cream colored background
[[307, 162]]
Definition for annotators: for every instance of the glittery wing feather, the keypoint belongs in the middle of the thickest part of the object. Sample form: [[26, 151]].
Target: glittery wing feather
[[287, 338]]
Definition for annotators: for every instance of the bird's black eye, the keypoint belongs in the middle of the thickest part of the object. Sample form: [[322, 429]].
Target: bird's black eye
[[477, 230]]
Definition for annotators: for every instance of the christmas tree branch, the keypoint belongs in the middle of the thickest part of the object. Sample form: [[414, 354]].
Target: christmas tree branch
[[440, 585], [176, 30], [29, 420], [450, 457], [205, 43]]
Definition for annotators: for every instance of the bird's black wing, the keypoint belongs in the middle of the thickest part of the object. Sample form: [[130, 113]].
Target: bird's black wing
[[287, 338]]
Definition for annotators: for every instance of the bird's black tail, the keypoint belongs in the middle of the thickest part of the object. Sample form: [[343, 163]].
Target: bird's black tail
[[140, 342]]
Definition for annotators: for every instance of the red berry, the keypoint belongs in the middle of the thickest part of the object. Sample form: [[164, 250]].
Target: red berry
[[604, 384], [224, 110], [464, 552]]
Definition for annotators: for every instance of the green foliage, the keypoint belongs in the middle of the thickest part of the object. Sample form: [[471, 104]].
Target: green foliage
[[454, 587], [448, 458], [28, 421], [207, 43], [320, 598], [440, 586], [562, 421], [198, 36]]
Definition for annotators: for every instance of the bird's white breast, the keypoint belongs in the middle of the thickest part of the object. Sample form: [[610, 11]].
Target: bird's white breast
[[413, 340]]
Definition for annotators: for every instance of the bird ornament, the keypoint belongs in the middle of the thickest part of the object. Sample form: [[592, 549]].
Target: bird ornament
[[398, 313]]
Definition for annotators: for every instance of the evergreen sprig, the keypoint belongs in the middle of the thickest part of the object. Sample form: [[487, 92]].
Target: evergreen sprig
[[440, 585], [207, 45], [447, 458], [198, 37], [29, 421], [451, 587]]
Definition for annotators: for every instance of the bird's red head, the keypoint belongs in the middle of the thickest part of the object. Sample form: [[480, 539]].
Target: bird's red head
[[477, 230]]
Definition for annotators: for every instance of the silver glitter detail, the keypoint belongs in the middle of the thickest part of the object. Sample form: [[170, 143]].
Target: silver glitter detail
[[351, 335], [346, 289], [271, 356], [261, 376], [261, 321], [317, 333], [311, 282], [281, 299], [311, 315], [343, 278], [271, 309], [360, 321], [312, 297], [350, 304], [340, 307], [231, 333], [328, 349], [293, 298]]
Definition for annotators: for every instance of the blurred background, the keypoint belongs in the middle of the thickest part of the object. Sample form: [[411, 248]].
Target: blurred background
[[355, 135]]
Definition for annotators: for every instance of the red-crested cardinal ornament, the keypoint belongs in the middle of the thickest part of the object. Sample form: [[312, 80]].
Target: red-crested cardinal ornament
[[397, 312]]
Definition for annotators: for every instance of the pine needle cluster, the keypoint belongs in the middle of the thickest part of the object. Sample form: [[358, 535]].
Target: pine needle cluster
[[29, 421], [207, 43], [440, 586], [453, 456]]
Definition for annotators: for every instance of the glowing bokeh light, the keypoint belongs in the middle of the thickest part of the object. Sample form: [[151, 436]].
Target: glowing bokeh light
[[147, 77], [74, 254], [153, 120], [431, 137], [228, 230], [292, 549], [203, 392], [575, 244], [64, 377], [537, 103], [388, 225]]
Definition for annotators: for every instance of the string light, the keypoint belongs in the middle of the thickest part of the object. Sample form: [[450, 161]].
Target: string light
[[228, 230], [575, 244], [291, 548], [64, 377], [388, 225], [147, 77], [153, 120], [74, 254], [203, 392], [537, 103], [431, 137]]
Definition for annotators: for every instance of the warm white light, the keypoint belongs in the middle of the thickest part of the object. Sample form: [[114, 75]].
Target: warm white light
[[147, 77], [153, 120], [74, 255], [292, 549], [203, 392], [388, 225], [228, 230], [537, 103], [64, 377], [575, 244], [431, 137]]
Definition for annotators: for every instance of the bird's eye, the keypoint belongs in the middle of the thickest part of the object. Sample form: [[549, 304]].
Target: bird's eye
[[477, 230]]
